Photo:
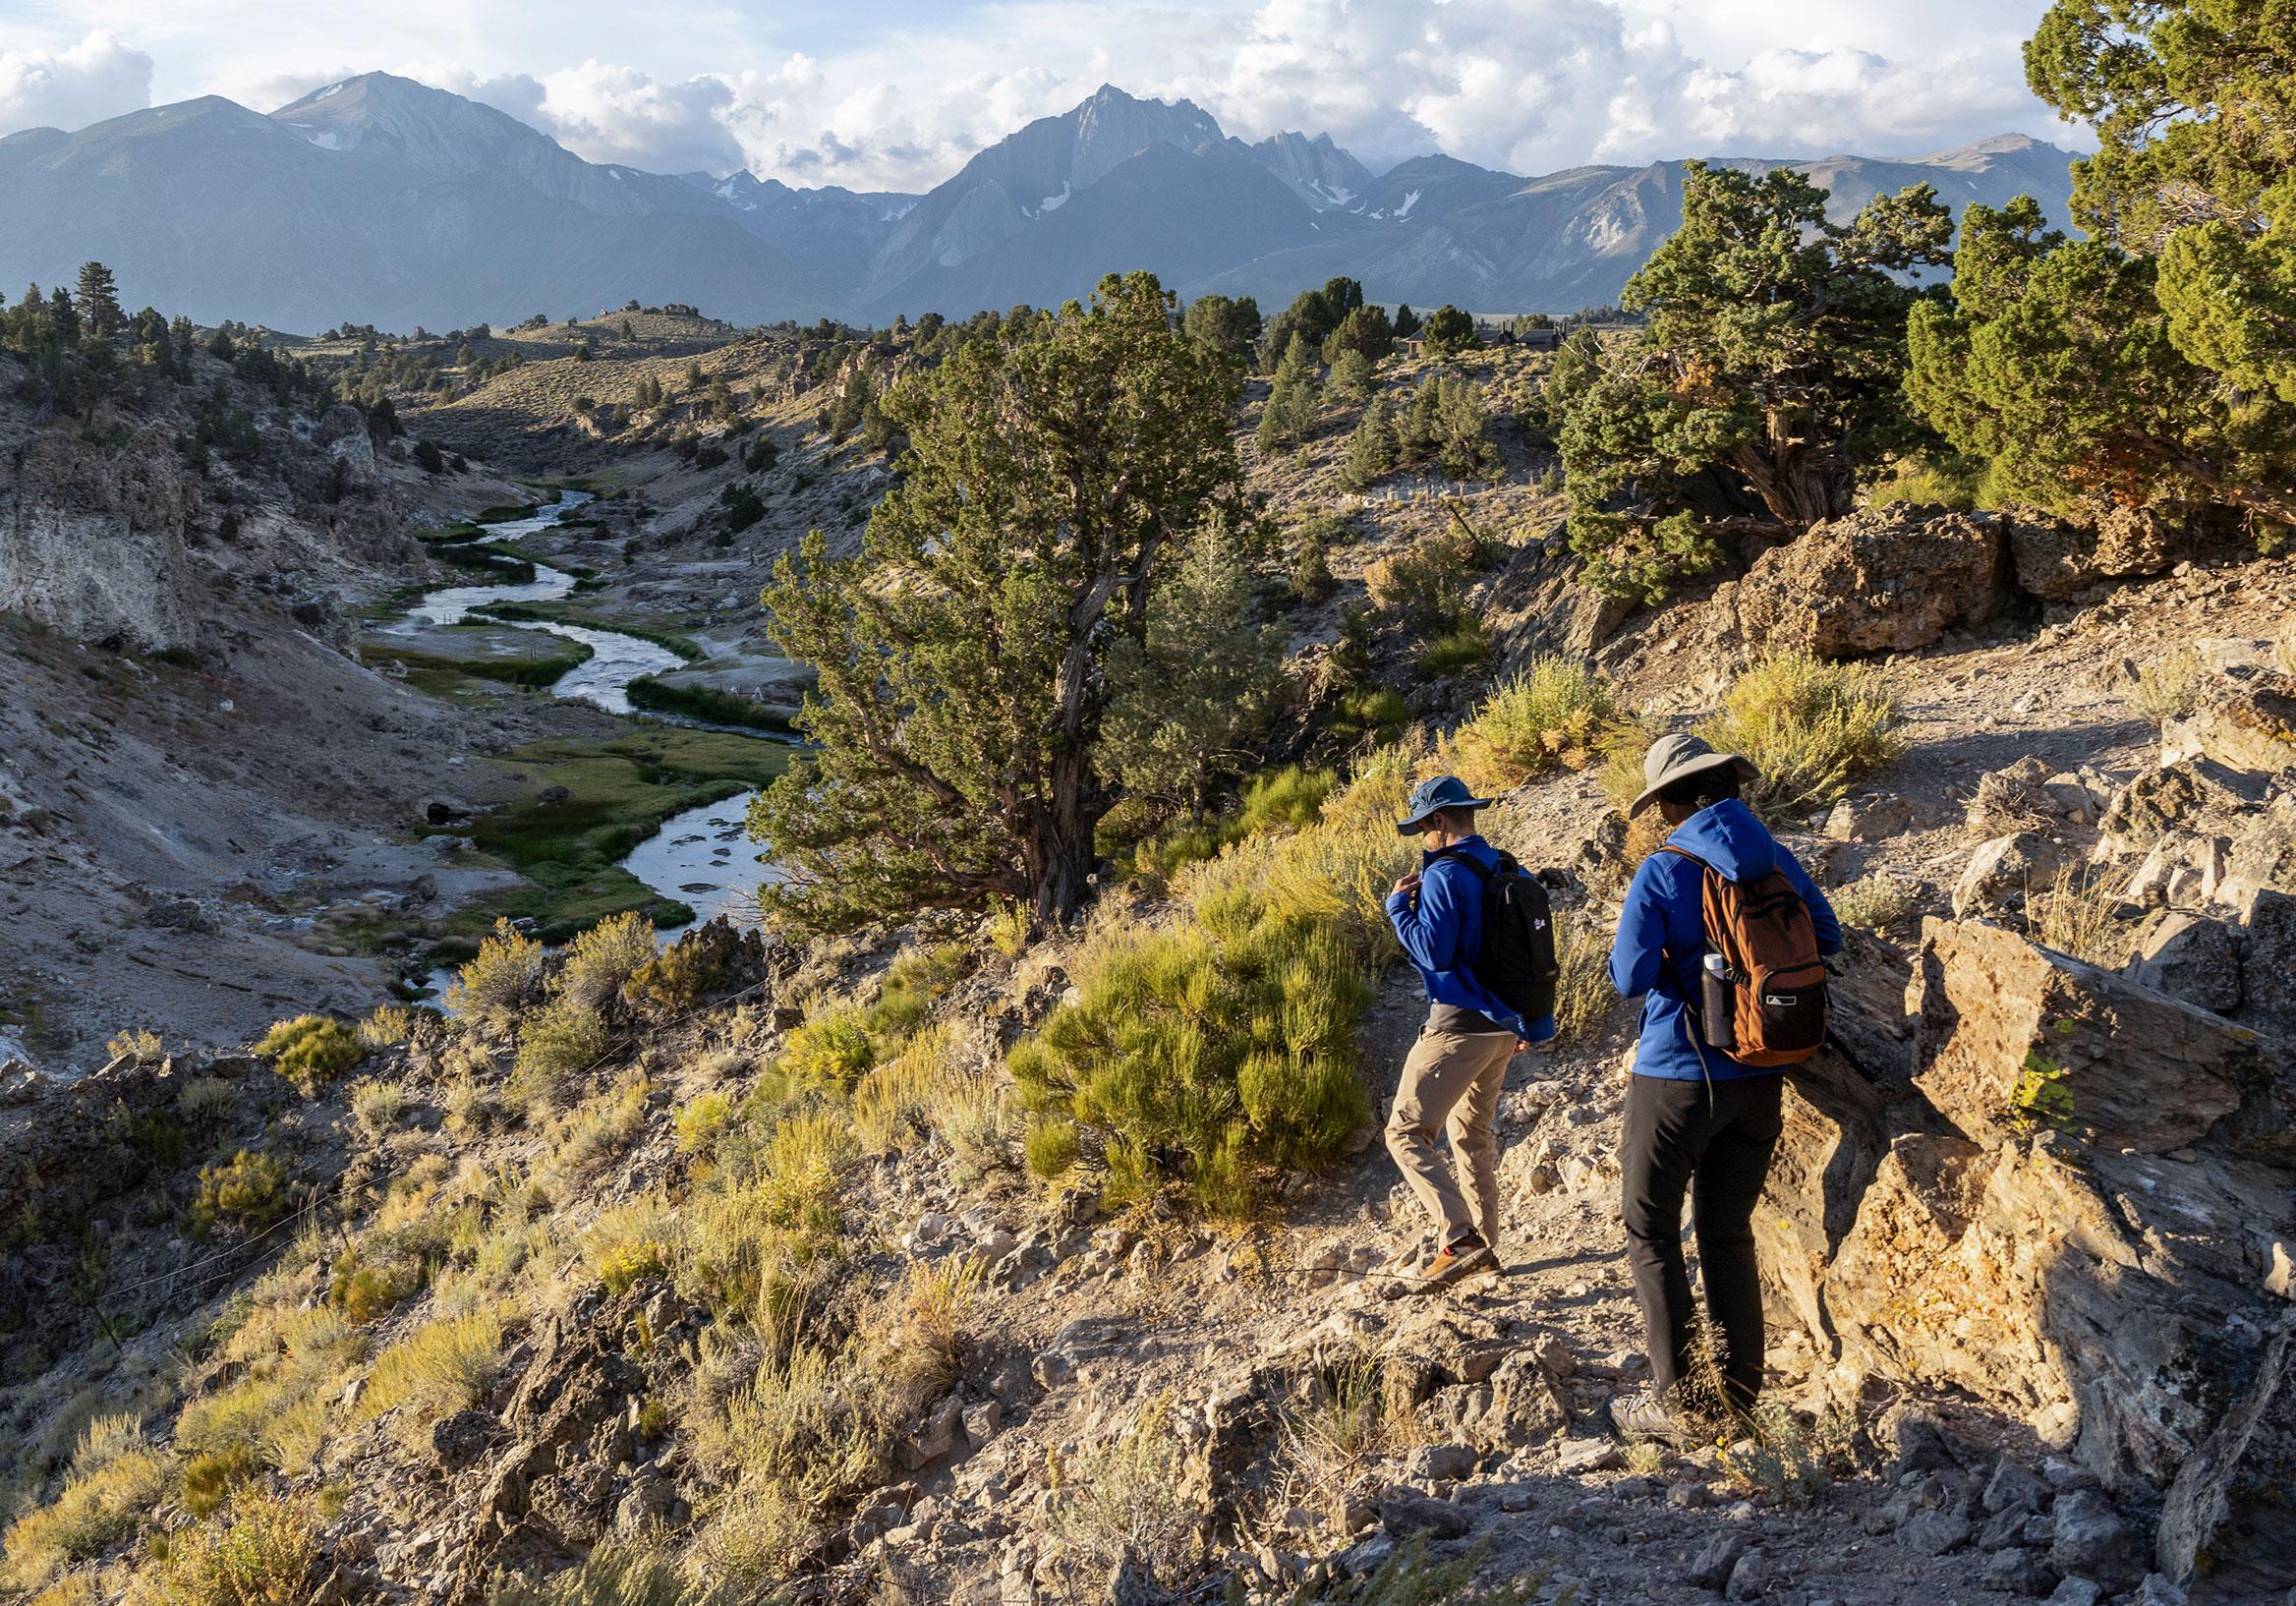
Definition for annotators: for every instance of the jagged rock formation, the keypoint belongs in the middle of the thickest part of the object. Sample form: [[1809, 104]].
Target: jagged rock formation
[[2068, 1193]]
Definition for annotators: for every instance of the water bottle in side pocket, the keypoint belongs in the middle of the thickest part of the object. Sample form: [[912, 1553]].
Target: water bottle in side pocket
[[1714, 1000]]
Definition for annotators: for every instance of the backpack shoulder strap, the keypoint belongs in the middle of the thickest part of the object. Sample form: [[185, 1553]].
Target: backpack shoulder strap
[[1454, 855], [1686, 853]]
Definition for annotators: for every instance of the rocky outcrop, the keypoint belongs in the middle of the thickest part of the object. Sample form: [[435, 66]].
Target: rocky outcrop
[[2056, 558], [92, 537], [1888, 580], [2067, 1194], [2248, 722]]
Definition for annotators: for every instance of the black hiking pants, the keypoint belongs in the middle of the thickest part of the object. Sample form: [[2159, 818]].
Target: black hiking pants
[[1714, 1143]]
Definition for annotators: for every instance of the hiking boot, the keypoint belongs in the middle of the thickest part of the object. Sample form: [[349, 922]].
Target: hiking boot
[[1459, 1259], [1642, 1417]]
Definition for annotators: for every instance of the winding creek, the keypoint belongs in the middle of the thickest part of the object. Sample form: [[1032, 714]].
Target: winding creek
[[702, 857]]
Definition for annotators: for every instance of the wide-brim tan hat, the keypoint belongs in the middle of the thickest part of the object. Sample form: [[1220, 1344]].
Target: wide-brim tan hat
[[1678, 757]]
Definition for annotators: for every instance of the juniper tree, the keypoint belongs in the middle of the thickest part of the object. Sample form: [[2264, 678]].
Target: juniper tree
[[1767, 383], [1351, 377], [2155, 362], [1407, 321], [1372, 446], [1290, 411], [1450, 331], [1223, 326], [958, 719], [1190, 698]]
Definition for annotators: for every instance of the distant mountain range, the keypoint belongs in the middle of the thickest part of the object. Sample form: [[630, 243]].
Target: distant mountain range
[[382, 200]]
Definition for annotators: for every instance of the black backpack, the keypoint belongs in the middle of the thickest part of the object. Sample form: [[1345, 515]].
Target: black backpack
[[1518, 958]]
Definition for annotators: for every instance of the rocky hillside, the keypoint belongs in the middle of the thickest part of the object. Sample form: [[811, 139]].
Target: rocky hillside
[[772, 1282]]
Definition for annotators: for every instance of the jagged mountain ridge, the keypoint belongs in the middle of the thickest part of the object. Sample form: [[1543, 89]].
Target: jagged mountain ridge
[[380, 199]]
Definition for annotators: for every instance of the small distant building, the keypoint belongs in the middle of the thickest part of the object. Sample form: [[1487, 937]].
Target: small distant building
[[1540, 339]]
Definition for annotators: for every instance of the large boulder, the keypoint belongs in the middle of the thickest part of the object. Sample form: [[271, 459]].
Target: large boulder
[[2070, 1196], [2058, 558], [2005, 871], [2247, 721], [1886, 580], [2188, 957]]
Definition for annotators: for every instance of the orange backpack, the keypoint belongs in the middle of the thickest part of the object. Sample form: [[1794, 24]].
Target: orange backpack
[[1769, 990]]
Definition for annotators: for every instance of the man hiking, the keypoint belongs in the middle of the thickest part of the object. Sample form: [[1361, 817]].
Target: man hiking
[[1452, 1077], [1723, 934]]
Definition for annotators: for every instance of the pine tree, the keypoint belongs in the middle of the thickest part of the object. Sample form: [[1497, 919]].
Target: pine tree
[[1372, 446], [1350, 377], [1407, 321], [1292, 402], [100, 316]]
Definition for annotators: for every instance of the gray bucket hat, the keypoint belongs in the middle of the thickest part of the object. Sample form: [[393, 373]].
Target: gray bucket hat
[[1436, 792], [1678, 757]]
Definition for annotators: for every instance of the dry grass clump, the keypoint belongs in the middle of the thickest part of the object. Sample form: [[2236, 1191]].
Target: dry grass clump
[[377, 1106], [1585, 999], [312, 1051], [2172, 686], [2075, 916], [1342, 1424], [386, 1027], [1126, 1497], [630, 1242], [618, 1572], [1558, 712], [296, 1362], [1811, 727], [440, 1368], [115, 1478]]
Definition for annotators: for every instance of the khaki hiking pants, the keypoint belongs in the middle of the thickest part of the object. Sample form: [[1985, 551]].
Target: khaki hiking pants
[[1451, 1082]]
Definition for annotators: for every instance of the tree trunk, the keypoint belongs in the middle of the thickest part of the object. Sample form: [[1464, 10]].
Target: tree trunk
[[1061, 852]]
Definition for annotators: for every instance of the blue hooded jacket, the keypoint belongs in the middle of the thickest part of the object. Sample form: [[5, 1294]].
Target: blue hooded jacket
[[1662, 943], [1442, 930]]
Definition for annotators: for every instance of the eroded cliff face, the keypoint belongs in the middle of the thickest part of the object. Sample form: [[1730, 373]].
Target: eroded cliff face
[[92, 539]]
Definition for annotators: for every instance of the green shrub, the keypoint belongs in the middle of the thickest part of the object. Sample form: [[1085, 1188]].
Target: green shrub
[[675, 980], [1051, 1149], [1208, 1052], [1558, 712], [503, 978], [138, 1045], [248, 1192], [1811, 727], [263, 1555], [364, 1287], [211, 1477], [1950, 480], [558, 1043], [311, 1050], [1424, 587], [1463, 649], [1284, 799], [831, 1049], [701, 1122], [602, 959]]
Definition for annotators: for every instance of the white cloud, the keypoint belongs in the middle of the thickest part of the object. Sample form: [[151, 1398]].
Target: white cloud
[[70, 89], [898, 97]]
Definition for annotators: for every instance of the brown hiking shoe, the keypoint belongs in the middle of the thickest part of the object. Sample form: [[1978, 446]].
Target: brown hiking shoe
[[1641, 1418], [1456, 1261]]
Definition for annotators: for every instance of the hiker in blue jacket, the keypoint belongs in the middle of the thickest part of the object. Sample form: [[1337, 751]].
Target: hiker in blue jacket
[[1697, 1119], [1452, 1077]]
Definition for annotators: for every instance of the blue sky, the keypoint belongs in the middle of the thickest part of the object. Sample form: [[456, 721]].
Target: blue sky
[[896, 93]]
